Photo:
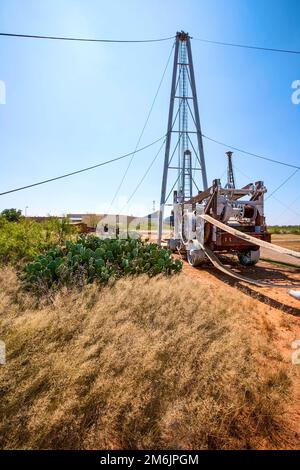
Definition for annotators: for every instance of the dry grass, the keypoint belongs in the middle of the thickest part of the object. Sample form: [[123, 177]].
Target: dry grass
[[142, 364]]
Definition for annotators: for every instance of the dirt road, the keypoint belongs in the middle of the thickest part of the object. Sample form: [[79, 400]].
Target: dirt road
[[287, 241], [270, 254]]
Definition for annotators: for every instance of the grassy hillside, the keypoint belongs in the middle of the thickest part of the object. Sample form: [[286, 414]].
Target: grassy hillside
[[145, 363]]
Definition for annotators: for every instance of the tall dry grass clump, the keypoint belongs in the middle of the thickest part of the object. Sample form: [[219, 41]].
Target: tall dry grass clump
[[147, 363]]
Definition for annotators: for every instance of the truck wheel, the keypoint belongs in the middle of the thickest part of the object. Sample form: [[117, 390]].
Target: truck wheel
[[196, 257], [249, 258]]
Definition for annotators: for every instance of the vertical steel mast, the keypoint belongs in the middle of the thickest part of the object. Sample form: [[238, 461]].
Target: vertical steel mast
[[184, 125], [230, 174]]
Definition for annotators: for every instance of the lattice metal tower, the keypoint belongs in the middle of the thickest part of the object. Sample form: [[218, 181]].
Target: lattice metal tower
[[230, 174], [184, 136]]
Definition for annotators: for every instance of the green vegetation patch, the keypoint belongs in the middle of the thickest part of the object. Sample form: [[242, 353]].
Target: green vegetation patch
[[92, 259], [286, 229], [23, 240]]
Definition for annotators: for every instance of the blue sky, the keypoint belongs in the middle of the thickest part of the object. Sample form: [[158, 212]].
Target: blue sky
[[71, 105]]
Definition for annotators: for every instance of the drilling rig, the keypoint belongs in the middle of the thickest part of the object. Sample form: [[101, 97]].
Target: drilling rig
[[206, 220]]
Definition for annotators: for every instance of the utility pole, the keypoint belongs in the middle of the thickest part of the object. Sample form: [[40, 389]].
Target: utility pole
[[184, 137]]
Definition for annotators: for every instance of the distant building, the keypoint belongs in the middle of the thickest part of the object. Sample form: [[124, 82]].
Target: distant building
[[91, 220], [75, 217]]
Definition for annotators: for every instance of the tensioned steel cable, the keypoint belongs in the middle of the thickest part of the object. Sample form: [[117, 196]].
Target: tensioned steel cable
[[247, 46], [65, 38], [83, 169], [282, 184], [286, 206], [143, 129], [220, 43], [289, 207], [297, 168], [275, 190], [251, 154], [144, 175]]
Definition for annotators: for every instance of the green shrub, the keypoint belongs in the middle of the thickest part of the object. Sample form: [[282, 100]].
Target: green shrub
[[285, 229], [90, 258], [27, 239], [12, 215]]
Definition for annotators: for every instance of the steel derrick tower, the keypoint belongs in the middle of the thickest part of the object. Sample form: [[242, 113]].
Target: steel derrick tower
[[184, 163]]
